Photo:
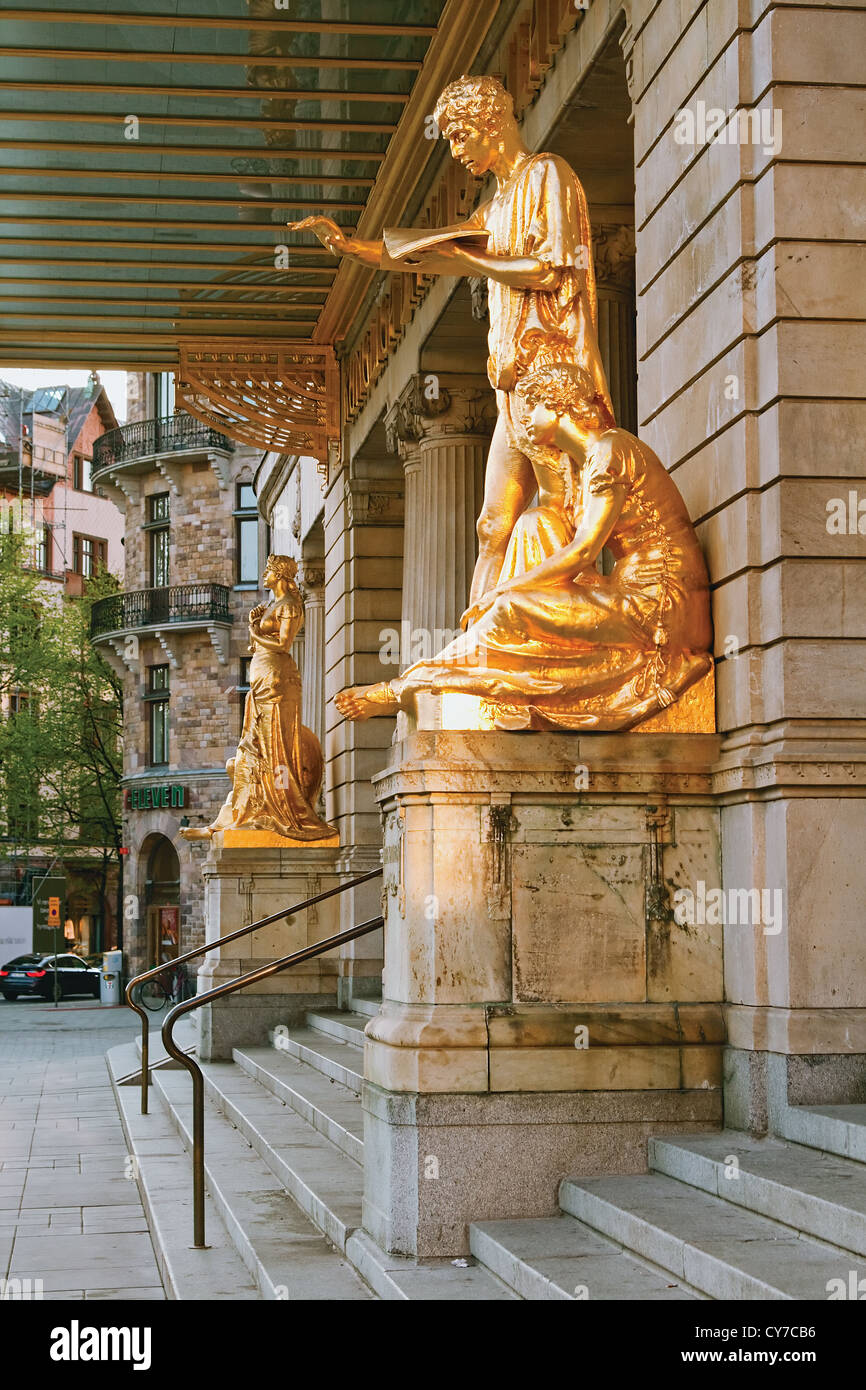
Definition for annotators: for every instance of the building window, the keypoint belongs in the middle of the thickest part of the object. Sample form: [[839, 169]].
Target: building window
[[243, 690], [157, 698], [43, 549], [164, 394], [158, 526], [246, 535], [89, 553], [81, 479], [19, 702]]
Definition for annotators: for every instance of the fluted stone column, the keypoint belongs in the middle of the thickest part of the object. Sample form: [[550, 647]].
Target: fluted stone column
[[613, 250], [410, 456], [441, 425], [311, 581]]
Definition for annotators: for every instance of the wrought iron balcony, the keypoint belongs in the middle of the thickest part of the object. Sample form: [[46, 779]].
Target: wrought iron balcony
[[188, 604], [147, 438]]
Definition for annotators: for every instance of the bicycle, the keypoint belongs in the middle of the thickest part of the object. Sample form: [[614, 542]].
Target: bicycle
[[169, 987]]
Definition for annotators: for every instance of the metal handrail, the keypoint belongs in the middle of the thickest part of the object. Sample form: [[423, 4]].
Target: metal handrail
[[195, 1071], [214, 946], [169, 603], [143, 438]]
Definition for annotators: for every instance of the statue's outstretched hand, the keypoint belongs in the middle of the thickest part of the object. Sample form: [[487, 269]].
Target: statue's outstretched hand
[[478, 609], [332, 237]]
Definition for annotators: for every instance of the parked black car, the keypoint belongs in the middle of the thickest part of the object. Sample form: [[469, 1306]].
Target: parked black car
[[34, 975]]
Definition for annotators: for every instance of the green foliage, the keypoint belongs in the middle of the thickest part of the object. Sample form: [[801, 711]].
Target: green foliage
[[60, 732]]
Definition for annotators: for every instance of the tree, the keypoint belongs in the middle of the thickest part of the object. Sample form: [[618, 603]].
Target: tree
[[60, 742]]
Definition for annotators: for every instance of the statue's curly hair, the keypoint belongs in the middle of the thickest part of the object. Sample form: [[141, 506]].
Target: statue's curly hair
[[565, 388], [480, 102], [283, 566]]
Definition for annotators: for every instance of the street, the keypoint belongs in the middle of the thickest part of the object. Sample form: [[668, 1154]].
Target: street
[[71, 1222]]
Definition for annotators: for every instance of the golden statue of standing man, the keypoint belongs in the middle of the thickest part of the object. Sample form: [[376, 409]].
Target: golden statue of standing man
[[583, 650]]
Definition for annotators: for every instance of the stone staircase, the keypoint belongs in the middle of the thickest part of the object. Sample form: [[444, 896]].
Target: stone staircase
[[283, 1152], [721, 1216]]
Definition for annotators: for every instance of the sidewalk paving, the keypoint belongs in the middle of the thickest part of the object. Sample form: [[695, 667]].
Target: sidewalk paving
[[70, 1213]]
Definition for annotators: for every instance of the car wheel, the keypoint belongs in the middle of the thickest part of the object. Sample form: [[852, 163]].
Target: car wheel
[[10, 994]]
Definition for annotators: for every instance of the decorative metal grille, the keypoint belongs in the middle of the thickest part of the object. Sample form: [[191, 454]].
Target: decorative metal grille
[[179, 603], [145, 437], [279, 396]]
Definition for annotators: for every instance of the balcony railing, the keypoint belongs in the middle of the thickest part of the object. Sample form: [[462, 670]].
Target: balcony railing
[[146, 437], [181, 603]]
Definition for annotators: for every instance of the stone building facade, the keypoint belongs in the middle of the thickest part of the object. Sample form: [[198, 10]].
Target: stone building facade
[[732, 329], [178, 633]]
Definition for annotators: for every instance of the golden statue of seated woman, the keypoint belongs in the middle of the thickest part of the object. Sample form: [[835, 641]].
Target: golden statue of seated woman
[[556, 644], [277, 770]]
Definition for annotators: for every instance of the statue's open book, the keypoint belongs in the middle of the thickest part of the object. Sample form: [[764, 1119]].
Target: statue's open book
[[403, 243]]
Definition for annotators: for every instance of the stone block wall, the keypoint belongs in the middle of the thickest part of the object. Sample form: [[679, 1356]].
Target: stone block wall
[[206, 708], [751, 342]]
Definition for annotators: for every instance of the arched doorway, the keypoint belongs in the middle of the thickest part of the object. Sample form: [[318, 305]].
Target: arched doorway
[[162, 901]]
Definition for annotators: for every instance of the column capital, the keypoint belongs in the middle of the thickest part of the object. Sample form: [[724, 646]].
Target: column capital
[[311, 580], [437, 404], [374, 501], [613, 251]]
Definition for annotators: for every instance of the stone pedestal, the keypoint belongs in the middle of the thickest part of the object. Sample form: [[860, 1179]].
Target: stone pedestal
[[544, 1011], [243, 883]]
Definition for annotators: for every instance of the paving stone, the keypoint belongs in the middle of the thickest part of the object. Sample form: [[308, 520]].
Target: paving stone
[[67, 1215]]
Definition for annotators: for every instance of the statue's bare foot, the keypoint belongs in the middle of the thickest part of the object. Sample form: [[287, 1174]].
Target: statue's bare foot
[[194, 832], [365, 701]]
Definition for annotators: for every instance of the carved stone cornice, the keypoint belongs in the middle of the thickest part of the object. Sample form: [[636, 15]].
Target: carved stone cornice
[[437, 404], [373, 501]]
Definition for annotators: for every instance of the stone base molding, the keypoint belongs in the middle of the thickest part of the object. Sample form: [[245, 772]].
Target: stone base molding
[[544, 1010], [241, 886]]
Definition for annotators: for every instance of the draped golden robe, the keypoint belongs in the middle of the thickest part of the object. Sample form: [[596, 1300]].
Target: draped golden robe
[[541, 212], [277, 770], [589, 651]]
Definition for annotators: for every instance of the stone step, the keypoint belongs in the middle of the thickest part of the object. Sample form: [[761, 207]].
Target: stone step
[[161, 1168], [557, 1258], [817, 1193], [332, 1109], [281, 1248], [336, 1023], [339, 1060], [326, 1184], [397, 1278], [126, 1064], [836, 1129], [370, 1008], [185, 1036], [720, 1249]]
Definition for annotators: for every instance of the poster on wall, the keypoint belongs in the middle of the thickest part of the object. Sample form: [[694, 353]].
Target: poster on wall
[[169, 925], [16, 932]]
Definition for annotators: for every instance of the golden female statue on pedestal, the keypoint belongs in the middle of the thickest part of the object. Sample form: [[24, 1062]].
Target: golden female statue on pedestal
[[555, 643], [277, 770]]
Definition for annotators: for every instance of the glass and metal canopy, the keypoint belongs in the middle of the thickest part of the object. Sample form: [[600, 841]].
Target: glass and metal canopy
[[152, 154]]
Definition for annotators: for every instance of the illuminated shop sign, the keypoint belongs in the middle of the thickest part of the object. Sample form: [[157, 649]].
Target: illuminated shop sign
[[153, 798]]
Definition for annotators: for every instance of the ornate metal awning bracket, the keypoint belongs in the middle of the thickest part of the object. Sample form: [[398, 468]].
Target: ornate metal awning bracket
[[282, 396]]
